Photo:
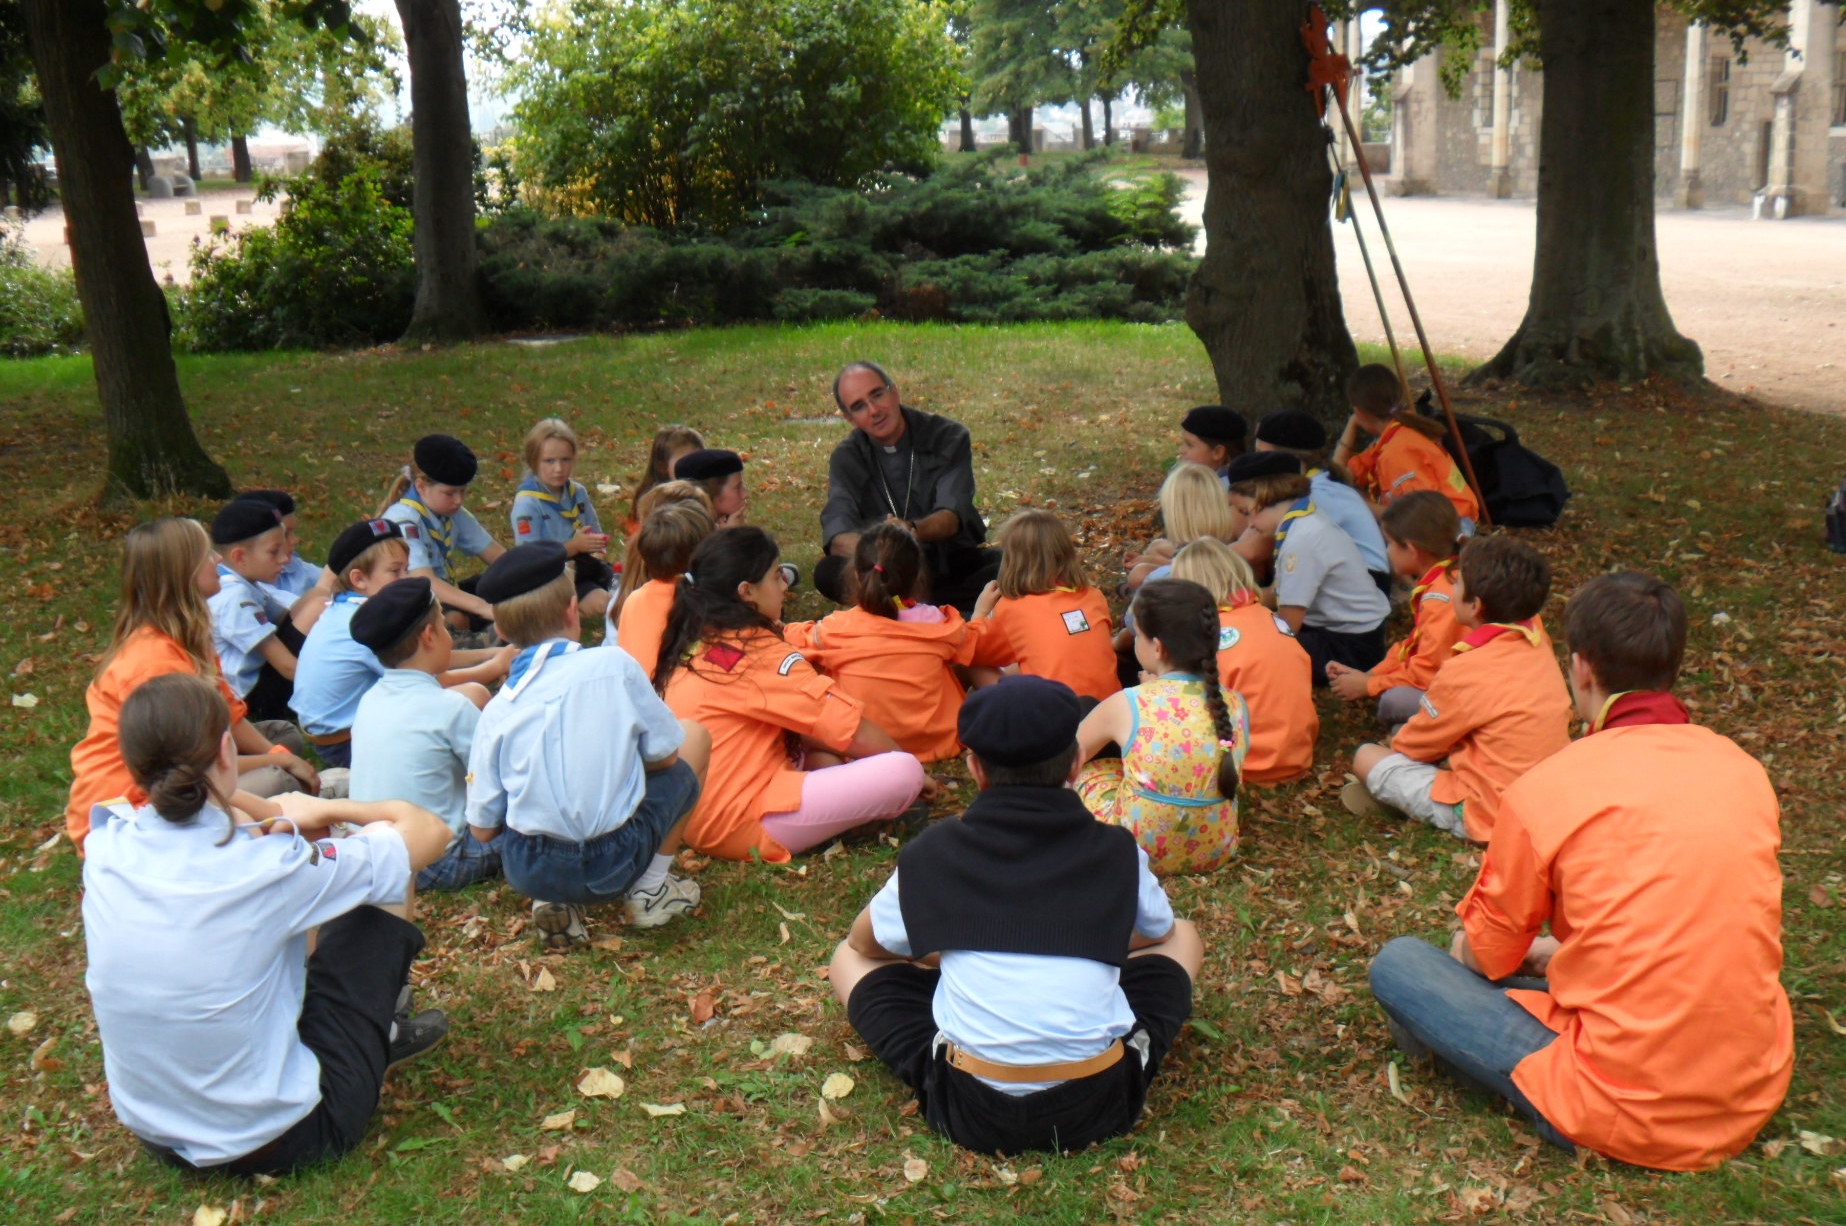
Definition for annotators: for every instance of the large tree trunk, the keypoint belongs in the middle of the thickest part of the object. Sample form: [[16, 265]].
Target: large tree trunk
[[240, 159], [448, 306], [191, 130], [1265, 300], [1019, 128], [1089, 130], [1596, 310], [967, 130], [152, 449], [1195, 130]]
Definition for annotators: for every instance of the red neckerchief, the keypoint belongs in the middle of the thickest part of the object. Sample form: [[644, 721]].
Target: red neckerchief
[[1480, 636], [1241, 600], [1632, 708], [1408, 647]]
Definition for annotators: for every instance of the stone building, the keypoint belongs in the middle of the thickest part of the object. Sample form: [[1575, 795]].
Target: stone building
[[1765, 129]]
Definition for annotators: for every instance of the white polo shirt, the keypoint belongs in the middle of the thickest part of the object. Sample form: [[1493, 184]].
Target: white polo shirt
[[198, 966], [241, 620]]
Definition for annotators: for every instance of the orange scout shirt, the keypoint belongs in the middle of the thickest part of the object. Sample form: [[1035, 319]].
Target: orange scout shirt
[[97, 770], [1432, 636], [1261, 660], [1651, 850], [1403, 461], [750, 695], [902, 672], [643, 622], [1062, 634], [1498, 708]]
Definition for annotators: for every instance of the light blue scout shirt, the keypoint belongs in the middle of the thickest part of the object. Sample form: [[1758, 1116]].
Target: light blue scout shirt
[[411, 740], [560, 750], [240, 622], [435, 540], [1318, 568], [540, 515], [334, 671], [198, 956], [1028, 1008], [1346, 507]]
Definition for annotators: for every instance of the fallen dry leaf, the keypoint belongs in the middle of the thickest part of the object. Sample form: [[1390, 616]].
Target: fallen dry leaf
[[543, 981], [1397, 1091], [1032, 1174], [791, 1045], [1820, 897], [856, 1054], [1475, 1200], [625, 1058], [43, 1060], [1351, 1174], [601, 1083], [21, 1023], [915, 1169], [208, 1215], [1833, 1023], [702, 1008], [513, 1162], [1289, 984], [583, 1181], [1615, 1213], [659, 1109], [1820, 1144], [1773, 1149], [612, 944], [25, 700], [558, 1122], [625, 1179], [837, 1085]]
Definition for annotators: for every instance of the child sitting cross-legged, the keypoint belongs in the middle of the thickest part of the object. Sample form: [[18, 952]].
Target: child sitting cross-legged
[[1182, 738], [336, 671], [1497, 707], [1259, 659], [634, 574], [1063, 979], [256, 647], [302, 588], [663, 549], [1407, 453], [579, 761], [550, 505], [896, 655], [411, 734], [1653, 1027], [426, 500], [1420, 536], [1056, 625]]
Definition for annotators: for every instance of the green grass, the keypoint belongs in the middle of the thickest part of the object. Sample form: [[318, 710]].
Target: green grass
[[1274, 1108]]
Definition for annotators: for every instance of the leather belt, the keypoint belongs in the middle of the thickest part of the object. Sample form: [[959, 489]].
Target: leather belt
[[1070, 1070], [331, 738]]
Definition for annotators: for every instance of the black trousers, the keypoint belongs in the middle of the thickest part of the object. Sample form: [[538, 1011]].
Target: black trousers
[[270, 697], [1361, 651], [957, 585], [360, 963]]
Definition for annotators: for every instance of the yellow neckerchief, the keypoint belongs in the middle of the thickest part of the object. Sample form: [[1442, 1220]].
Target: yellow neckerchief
[[1408, 647], [569, 513], [1476, 637], [1602, 716], [1301, 508], [441, 531]]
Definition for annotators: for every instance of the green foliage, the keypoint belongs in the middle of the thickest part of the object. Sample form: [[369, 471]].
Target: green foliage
[[361, 147], [39, 312], [335, 270], [672, 113], [23, 136], [977, 242]]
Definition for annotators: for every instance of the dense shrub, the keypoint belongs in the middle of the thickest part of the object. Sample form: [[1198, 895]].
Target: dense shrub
[[978, 242], [39, 312], [335, 269]]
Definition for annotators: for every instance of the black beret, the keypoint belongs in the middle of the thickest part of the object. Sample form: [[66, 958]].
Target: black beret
[[522, 569], [355, 539], [281, 500], [1020, 721], [1215, 424], [444, 459], [1295, 428], [1254, 464], [391, 613], [242, 519], [707, 463]]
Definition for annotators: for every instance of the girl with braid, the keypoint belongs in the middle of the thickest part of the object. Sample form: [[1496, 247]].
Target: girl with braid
[[1182, 737]]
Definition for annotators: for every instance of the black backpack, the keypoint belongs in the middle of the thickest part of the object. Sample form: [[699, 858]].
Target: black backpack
[[1522, 488]]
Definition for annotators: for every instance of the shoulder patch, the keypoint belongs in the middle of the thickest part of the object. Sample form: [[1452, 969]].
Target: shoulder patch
[[410, 530], [724, 656], [327, 849], [1428, 596], [1228, 637], [1288, 563], [523, 525], [788, 663], [1429, 708], [1075, 622], [1282, 625]]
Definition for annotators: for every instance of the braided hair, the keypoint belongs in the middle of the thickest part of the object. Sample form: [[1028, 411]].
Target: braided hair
[[170, 730], [706, 606], [1183, 618], [888, 563]]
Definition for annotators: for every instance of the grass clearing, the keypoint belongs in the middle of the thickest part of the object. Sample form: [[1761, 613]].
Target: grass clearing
[[1276, 1105]]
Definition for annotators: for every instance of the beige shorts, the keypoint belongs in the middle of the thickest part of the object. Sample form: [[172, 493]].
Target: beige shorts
[[1403, 784]]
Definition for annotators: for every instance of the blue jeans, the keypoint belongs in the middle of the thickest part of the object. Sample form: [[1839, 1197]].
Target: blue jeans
[[467, 861], [1476, 1032], [601, 869]]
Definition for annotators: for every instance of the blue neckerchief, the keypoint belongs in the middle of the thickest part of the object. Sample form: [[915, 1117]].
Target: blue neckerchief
[[527, 663], [1303, 507]]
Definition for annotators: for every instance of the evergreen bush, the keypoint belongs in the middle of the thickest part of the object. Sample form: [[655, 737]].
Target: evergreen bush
[[39, 311]]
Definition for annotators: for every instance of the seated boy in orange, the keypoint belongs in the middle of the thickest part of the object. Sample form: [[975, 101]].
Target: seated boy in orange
[[1496, 709], [1659, 1034], [1258, 658], [664, 544], [1407, 455]]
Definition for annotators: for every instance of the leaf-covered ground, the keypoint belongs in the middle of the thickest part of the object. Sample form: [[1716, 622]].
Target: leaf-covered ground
[[1278, 1104]]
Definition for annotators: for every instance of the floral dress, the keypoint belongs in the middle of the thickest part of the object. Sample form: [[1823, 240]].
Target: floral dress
[[1164, 787]]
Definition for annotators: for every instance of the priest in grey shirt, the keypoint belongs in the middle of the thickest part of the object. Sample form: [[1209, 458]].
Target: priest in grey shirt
[[905, 466]]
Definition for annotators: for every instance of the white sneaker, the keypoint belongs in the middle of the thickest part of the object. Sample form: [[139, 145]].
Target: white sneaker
[[336, 783], [560, 925], [675, 896]]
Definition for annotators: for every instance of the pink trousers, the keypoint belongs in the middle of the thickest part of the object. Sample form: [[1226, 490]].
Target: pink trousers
[[834, 799]]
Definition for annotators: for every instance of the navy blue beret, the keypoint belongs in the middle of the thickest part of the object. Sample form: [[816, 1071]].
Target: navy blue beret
[[1020, 721]]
